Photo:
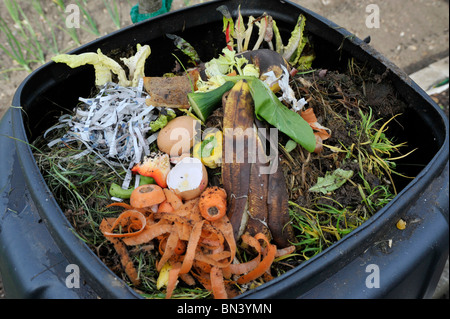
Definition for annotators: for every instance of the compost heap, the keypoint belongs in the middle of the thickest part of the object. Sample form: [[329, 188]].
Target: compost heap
[[183, 187]]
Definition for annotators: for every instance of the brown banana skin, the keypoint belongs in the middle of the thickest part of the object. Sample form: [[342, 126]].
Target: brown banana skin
[[258, 209], [238, 114], [257, 202], [278, 202]]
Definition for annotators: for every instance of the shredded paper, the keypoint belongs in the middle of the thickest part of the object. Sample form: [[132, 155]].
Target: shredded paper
[[114, 125]]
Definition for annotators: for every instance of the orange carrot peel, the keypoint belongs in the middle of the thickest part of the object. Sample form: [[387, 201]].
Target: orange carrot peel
[[121, 250], [131, 222], [146, 196], [213, 203], [217, 284], [264, 265], [193, 246], [321, 133]]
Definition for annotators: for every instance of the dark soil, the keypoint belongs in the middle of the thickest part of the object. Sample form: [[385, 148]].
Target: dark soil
[[337, 100]]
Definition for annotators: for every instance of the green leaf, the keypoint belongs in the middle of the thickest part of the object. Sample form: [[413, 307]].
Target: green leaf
[[331, 182], [290, 146], [296, 38], [208, 146], [162, 121], [186, 48], [270, 108]]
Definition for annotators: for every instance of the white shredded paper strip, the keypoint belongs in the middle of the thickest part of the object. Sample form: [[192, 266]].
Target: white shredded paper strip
[[288, 93], [113, 125]]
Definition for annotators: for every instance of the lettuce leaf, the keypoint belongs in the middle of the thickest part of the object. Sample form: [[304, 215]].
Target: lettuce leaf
[[216, 70], [295, 40], [136, 63], [104, 66], [114, 67], [222, 65], [102, 73], [162, 120]]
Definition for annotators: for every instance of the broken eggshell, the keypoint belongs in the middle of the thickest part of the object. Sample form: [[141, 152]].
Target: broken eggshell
[[188, 179]]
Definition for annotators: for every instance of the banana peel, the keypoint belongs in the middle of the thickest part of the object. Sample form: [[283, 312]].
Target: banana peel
[[278, 203], [257, 202], [258, 210], [238, 117]]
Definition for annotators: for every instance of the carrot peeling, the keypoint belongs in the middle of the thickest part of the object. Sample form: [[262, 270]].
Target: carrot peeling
[[169, 250], [217, 284], [173, 199], [149, 234], [285, 251], [321, 133], [213, 203], [199, 246], [225, 227], [191, 248], [242, 268], [121, 250], [132, 221], [173, 279], [263, 266]]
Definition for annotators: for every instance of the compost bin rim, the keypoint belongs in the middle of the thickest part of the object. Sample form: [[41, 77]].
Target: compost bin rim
[[61, 228]]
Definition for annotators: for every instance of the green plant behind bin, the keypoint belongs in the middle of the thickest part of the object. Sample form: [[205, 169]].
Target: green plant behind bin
[[113, 11], [88, 18], [22, 44]]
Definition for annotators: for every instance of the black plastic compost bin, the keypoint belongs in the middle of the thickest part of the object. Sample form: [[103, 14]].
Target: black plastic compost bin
[[37, 243]]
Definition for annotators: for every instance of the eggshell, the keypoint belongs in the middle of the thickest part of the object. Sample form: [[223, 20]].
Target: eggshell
[[188, 178], [178, 136]]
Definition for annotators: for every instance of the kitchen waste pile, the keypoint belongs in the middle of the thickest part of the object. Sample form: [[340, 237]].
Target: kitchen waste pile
[[212, 181]]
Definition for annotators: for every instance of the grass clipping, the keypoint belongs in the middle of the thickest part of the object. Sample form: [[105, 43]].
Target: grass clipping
[[355, 175]]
